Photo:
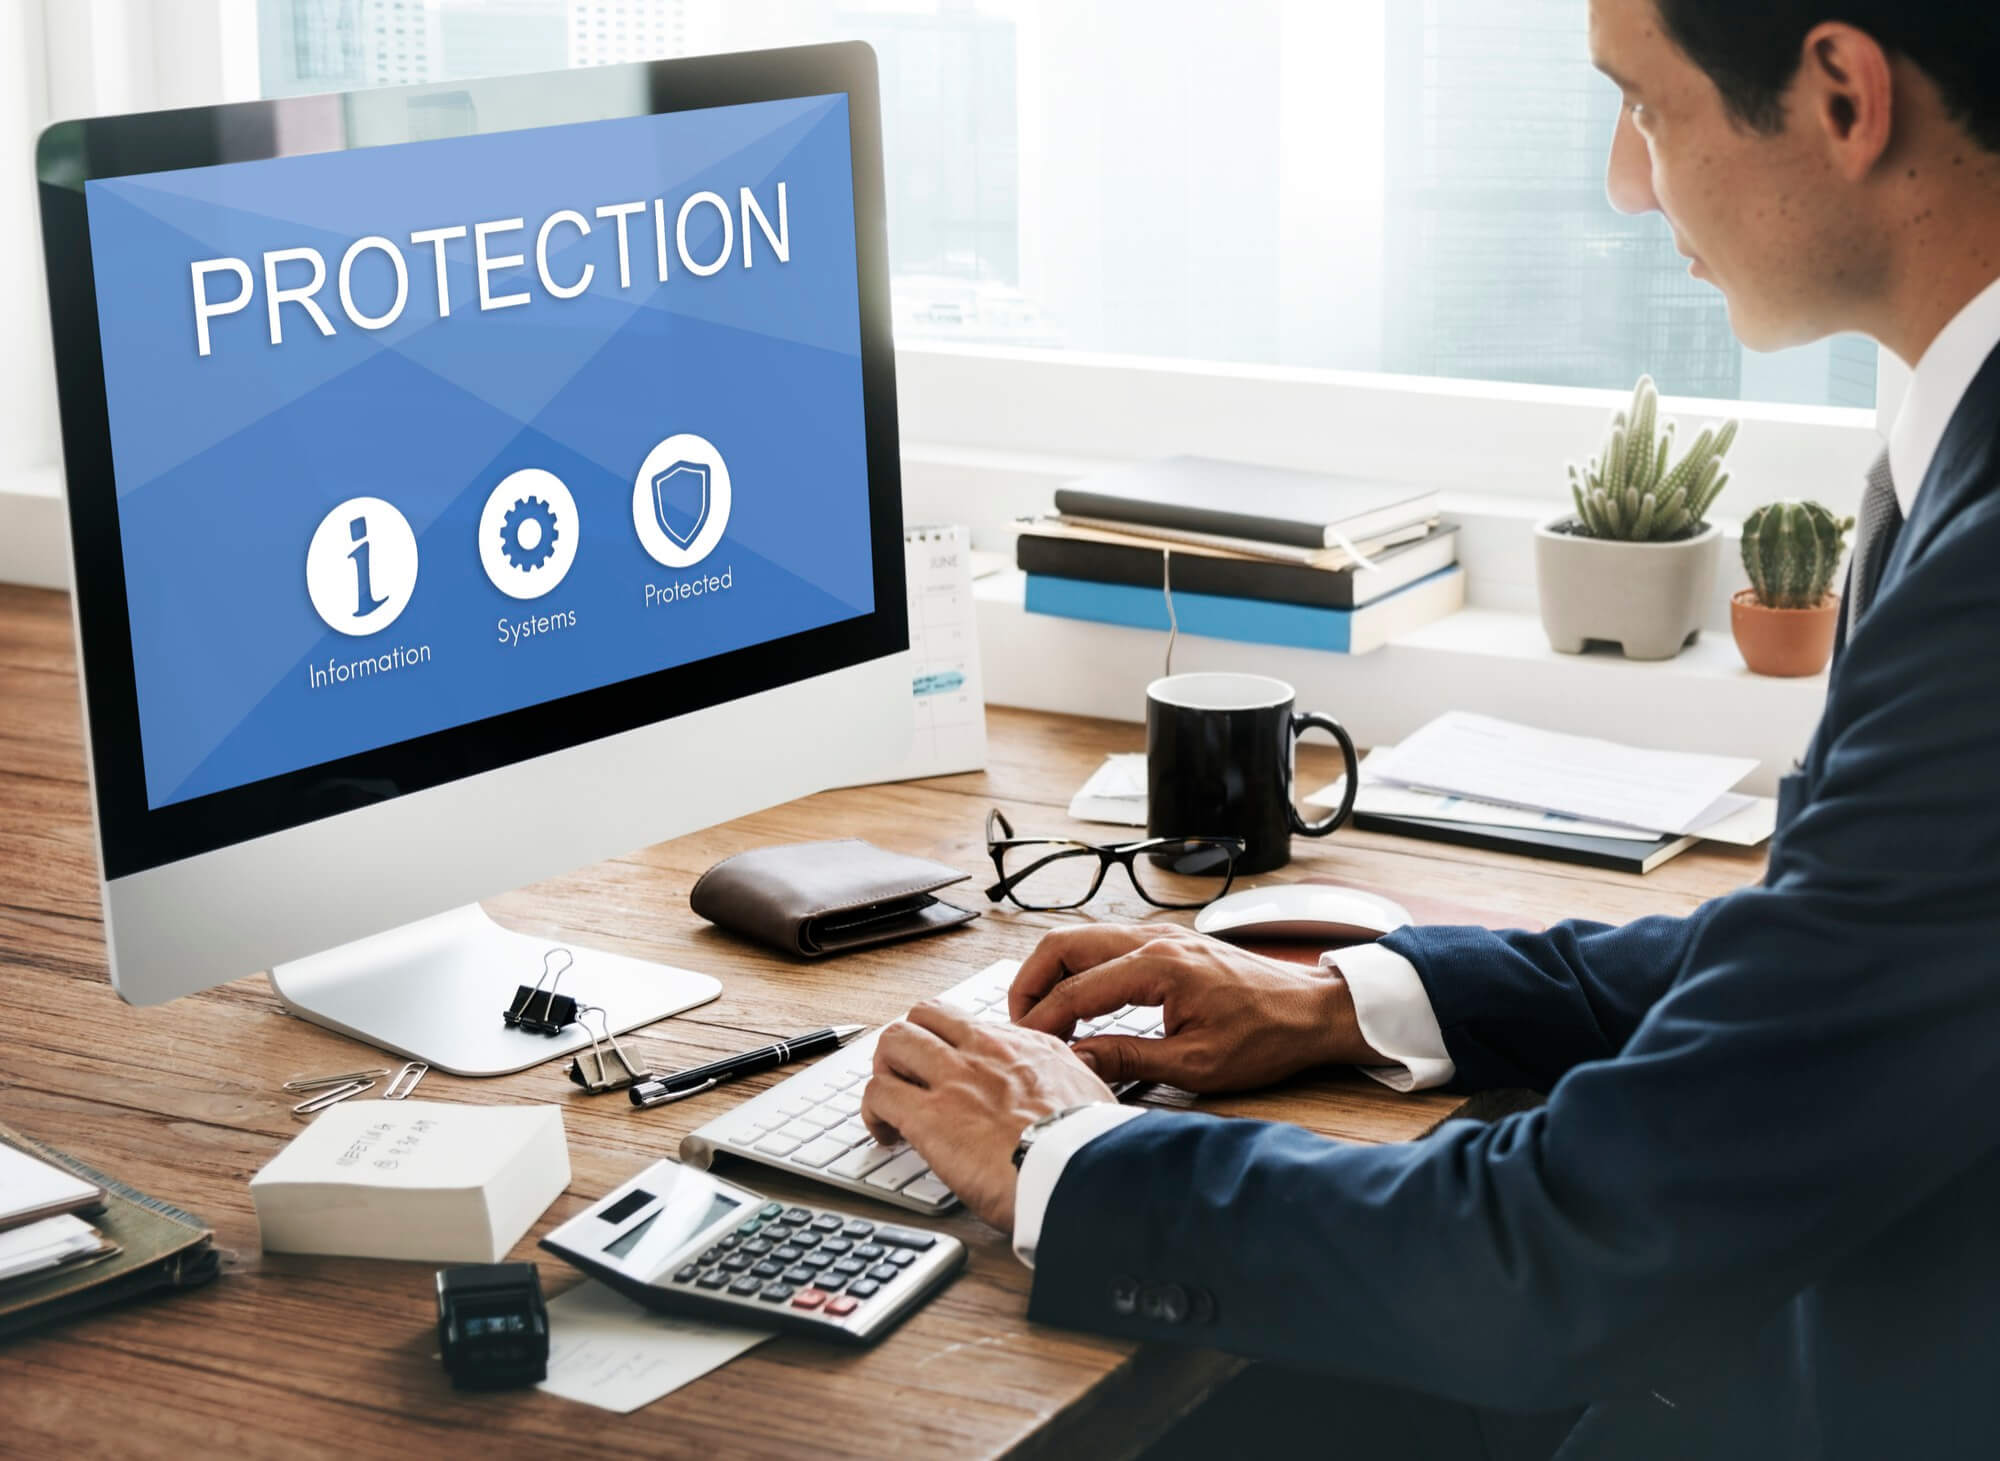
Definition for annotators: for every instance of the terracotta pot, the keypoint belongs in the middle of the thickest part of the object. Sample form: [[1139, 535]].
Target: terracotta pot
[[1785, 642]]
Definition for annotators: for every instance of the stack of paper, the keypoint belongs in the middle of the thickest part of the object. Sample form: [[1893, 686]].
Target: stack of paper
[[1476, 769], [50, 1243], [1115, 793]]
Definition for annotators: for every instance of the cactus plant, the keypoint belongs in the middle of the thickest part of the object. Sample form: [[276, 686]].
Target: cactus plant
[[1630, 494], [1791, 551]]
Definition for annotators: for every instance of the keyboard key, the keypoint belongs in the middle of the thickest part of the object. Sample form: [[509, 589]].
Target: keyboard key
[[857, 1228], [861, 1161], [863, 1288], [819, 1153], [851, 1131], [688, 1274], [800, 1130], [906, 1168], [798, 1215], [883, 1272], [824, 1116], [840, 1307], [713, 1279], [808, 1299], [826, 1222], [902, 1258], [846, 1104], [794, 1104], [775, 1145], [834, 1245], [745, 1287], [776, 1293], [850, 1078], [928, 1189], [770, 1210], [870, 1251], [798, 1273], [906, 1238], [768, 1269]]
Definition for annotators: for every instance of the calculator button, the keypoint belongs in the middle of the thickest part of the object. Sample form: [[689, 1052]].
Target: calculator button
[[808, 1299], [857, 1228], [778, 1233], [736, 1262], [826, 1222], [862, 1288], [759, 1246], [728, 1240], [688, 1274], [827, 1279], [797, 1215], [850, 1265], [835, 1245], [745, 1286], [770, 1210], [713, 1279], [804, 1238], [871, 1251], [841, 1306], [750, 1229], [902, 1257], [768, 1269], [713, 1254], [817, 1260], [776, 1293], [799, 1274], [906, 1238], [881, 1272], [790, 1253]]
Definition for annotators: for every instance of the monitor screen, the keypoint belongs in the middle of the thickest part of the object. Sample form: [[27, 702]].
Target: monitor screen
[[406, 437]]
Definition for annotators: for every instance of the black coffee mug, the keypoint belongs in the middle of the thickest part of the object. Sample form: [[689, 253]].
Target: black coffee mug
[[1219, 764]]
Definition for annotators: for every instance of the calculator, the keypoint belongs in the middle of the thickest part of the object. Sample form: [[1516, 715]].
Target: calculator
[[679, 1240]]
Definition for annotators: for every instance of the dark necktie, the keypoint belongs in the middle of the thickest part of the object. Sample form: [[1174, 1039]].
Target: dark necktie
[[1881, 520]]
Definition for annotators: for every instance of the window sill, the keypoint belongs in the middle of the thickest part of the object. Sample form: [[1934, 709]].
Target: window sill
[[34, 529], [1483, 659]]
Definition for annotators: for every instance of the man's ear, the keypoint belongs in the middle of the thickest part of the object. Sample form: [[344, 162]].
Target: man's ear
[[1846, 89]]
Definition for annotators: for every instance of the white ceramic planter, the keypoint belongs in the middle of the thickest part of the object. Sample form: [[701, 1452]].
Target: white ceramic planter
[[1647, 598]]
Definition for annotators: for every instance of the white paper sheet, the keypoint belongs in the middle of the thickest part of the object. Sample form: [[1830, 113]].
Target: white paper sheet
[[44, 1244], [607, 1351], [1514, 765], [1115, 793]]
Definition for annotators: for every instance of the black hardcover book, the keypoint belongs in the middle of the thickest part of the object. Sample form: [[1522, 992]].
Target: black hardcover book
[[1617, 853], [1237, 499], [1058, 556]]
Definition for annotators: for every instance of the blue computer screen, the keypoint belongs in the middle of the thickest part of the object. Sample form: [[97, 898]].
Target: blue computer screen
[[410, 436]]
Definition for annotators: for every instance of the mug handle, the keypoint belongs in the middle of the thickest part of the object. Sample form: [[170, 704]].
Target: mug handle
[[1303, 721]]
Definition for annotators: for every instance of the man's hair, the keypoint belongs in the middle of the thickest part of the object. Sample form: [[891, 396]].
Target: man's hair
[[1752, 52]]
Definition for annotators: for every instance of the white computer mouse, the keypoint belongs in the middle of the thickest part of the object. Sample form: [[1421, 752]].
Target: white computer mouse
[[1306, 911]]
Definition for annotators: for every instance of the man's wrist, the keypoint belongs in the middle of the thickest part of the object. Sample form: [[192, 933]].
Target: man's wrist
[[1340, 1032]]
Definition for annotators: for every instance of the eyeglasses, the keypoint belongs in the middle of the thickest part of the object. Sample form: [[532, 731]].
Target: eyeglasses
[[1044, 874]]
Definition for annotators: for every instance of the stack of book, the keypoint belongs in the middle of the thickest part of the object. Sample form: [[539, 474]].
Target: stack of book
[[1256, 554]]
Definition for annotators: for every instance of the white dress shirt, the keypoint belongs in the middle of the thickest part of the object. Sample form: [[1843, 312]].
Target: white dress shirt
[[1390, 1006]]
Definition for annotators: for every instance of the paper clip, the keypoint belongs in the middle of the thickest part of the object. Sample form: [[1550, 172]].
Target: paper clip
[[595, 1077], [321, 1082], [406, 1081], [555, 1010], [333, 1097]]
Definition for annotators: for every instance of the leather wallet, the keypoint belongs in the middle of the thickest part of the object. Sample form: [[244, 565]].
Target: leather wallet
[[819, 898]]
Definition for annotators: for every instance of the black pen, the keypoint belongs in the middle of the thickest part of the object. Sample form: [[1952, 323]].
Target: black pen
[[684, 1083]]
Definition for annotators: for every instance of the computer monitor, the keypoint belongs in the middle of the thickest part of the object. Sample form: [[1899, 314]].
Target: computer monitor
[[469, 482]]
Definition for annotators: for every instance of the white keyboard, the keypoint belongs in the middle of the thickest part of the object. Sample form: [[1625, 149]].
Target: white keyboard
[[810, 1124]]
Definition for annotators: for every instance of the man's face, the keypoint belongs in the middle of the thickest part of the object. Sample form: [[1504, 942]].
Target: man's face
[[1754, 212]]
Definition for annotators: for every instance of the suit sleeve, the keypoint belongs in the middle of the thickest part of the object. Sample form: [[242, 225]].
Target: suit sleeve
[[1823, 1066], [1521, 1009]]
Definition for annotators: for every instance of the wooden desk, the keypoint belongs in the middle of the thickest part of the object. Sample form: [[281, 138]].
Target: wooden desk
[[287, 1355]]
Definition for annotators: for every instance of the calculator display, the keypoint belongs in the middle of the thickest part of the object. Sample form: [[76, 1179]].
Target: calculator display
[[677, 1220]]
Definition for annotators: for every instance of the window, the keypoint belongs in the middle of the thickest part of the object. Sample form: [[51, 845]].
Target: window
[[1403, 186]]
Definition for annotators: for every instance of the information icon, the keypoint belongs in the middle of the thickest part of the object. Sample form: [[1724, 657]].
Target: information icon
[[528, 533], [680, 501], [361, 566]]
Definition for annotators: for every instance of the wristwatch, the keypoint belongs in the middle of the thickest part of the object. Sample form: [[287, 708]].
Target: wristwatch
[[1035, 1128]]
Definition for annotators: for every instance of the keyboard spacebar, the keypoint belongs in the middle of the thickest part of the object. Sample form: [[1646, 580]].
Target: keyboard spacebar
[[906, 1168]]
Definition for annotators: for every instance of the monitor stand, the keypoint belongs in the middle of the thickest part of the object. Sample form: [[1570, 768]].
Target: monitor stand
[[435, 991]]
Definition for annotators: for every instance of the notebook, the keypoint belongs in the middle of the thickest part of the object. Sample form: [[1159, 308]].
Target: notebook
[[31, 1190], [160, 1247]]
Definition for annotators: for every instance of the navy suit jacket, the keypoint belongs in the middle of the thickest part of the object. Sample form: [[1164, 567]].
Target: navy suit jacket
[[1760, 1212]]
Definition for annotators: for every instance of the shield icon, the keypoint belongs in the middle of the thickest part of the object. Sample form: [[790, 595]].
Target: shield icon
[[680, 501]]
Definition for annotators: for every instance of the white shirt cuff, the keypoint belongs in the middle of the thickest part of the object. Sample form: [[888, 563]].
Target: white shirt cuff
[[1043, 1167], [1395, 1017]]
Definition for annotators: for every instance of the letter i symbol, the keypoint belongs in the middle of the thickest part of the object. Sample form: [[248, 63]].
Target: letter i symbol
[[365, 601]]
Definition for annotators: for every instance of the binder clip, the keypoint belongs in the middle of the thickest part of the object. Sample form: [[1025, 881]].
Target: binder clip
[[594, 1069], [542, 1011]]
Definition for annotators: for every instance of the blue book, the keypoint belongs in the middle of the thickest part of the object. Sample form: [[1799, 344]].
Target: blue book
[[1255, 621]]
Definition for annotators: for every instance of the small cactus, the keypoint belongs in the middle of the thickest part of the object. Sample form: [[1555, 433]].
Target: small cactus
[[1629, 492], [1791, 551]]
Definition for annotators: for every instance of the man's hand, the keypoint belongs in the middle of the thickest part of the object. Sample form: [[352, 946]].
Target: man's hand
[[962, 1093], [1234, 1020]]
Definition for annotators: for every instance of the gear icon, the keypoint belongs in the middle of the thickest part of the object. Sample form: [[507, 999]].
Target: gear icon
[[523, 555]]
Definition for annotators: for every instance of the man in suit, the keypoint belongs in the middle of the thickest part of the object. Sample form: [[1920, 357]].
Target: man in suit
[[1759, 1213]]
